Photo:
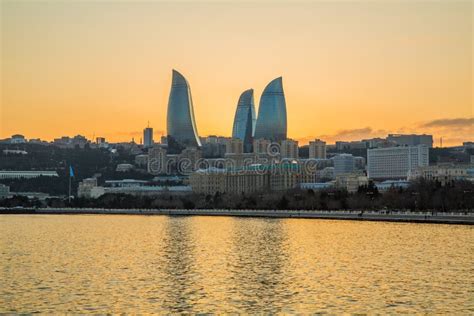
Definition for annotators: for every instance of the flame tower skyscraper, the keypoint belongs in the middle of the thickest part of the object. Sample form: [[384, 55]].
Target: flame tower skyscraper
[[181, 125], [271, 120], [245, 119]]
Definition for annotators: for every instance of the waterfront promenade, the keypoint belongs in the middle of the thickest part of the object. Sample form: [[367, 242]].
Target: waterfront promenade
[[383, 215]]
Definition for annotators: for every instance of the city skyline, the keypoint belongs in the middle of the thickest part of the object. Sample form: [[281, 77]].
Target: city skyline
[[73, 69], [236, 156]]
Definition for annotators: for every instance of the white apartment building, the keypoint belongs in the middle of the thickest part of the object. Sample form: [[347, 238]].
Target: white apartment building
[[395, 162]]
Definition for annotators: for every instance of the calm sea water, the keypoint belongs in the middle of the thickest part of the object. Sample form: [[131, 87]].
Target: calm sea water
[[98, 264]]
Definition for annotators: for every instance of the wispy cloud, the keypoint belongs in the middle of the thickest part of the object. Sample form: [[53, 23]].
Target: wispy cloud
[[455, 122], [453, 131], [347, 135]]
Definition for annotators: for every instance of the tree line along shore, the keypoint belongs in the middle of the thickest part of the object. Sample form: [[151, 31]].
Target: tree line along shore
[[421, 195]]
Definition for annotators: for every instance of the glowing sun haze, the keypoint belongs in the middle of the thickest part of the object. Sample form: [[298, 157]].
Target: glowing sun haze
[[350, 70]]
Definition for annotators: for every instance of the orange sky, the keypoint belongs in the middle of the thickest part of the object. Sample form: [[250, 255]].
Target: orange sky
[[350, 70]]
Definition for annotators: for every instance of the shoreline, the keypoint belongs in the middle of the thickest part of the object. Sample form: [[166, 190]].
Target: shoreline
[[382, 216]]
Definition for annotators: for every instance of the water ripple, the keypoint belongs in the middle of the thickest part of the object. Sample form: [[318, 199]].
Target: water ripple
[[125, 264]]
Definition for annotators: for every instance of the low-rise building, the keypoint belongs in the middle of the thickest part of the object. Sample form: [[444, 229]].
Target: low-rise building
[[141, 160], [144, 190], [38, 141], [248, 179], [468, 145], [4, 174], [411, 139], [17, 139], [101, 142], [317, 185], [85, 186], [4, 191], [63, 142], [351, 182], [392, 184], [124, 167], [88, 188], [342, 145], [443, 173]]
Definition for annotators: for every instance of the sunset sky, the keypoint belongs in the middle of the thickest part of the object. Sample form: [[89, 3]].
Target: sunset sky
[[351, 70]]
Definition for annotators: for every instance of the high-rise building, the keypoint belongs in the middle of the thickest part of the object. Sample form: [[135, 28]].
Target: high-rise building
[[395, 162], [359, 162], [289, 149], [235, 146], [245, 119], [317, 149], [271, 120], [181, 126], [261, 146], [411, 140], [343, 163], [148, 137]]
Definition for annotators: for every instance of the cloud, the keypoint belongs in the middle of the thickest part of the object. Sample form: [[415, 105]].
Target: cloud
[[347, 135], [354, 132], [454, 131], [456, 122]]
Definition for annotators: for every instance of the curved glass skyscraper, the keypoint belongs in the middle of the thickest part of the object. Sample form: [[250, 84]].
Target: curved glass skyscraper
[[271, 121], [245, 119], [180, 121]]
